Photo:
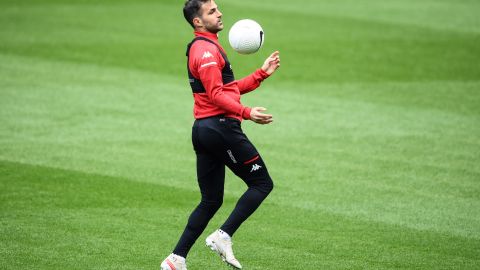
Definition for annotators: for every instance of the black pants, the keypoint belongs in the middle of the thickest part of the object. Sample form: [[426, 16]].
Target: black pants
[[220, 142]]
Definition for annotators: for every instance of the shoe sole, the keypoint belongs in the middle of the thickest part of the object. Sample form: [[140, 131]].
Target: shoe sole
[[211, 244], [167, 267]]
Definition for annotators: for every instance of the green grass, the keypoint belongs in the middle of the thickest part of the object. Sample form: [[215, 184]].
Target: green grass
[[375, 148]]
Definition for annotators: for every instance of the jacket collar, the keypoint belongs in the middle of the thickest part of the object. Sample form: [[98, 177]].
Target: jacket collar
[[208, 35]]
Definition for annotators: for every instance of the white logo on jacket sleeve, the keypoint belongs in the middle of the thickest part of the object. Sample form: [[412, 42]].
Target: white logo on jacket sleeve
[[207, 54]]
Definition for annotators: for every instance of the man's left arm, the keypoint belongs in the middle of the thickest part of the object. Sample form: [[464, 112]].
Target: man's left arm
[[252, 81]]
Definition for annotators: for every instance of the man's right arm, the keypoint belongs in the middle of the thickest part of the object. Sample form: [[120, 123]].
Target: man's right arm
[[211, 78], [207, 62], [212, 82]]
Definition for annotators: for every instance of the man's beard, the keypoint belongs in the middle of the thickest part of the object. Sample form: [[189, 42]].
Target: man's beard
[[214, 28]]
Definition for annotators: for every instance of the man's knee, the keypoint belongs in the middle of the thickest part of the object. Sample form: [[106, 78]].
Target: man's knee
[[263, 184], [269, 186], [266, 186]]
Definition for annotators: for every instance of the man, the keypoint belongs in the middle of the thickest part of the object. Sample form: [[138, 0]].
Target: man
[[217, 137]]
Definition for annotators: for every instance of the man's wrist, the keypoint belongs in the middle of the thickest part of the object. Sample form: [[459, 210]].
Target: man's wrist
[[246, 113], [263, 74]]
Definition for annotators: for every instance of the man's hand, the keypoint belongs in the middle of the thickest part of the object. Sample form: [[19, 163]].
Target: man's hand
[[258, 117], [272, 63]]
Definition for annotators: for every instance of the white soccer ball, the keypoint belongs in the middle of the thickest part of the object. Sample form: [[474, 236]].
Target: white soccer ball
[[246, 36]]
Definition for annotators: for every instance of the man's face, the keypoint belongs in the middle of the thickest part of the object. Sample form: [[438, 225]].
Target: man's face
[[211, 17]]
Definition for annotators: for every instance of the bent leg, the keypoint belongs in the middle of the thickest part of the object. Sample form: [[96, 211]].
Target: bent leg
[[241, 156], [259, 183]]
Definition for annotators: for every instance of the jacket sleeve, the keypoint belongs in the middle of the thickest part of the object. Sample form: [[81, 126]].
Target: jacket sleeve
[[209, 71], [252, 81]]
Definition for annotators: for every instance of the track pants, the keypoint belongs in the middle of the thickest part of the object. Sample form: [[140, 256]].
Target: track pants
[[218, 142]]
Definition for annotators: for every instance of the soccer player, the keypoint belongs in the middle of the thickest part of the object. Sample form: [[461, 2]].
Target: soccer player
[[217, 137]]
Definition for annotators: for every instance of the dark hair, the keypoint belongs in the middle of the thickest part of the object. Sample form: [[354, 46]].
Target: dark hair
[[192, 10]]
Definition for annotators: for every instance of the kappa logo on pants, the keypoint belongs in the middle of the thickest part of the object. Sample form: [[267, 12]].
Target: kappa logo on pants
[[255, 167]]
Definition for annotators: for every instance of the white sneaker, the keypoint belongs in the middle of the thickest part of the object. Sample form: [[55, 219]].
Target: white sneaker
[[173, 262], [221, 243]]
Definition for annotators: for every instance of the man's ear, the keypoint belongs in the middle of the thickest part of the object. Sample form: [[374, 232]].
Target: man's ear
[[197, 22]]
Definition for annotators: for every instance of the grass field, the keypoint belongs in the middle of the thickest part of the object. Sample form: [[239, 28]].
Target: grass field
[[375, 148]]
